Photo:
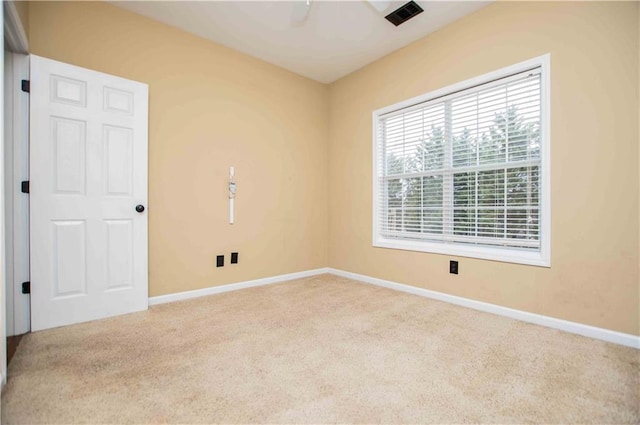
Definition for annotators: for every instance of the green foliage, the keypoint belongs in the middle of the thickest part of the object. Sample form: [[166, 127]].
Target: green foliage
[[494, 203]]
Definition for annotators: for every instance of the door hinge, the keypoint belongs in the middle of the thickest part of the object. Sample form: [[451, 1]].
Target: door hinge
[[24, 187], [26, 287], [26, 86]]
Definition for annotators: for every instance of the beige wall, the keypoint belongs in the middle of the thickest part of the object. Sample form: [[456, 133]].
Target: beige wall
[[594, 144], [210, 108]]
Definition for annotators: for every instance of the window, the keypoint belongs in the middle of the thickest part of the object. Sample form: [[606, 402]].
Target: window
[[465, 170]]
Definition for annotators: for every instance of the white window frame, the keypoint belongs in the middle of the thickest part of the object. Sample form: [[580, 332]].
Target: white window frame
[[541, 257]]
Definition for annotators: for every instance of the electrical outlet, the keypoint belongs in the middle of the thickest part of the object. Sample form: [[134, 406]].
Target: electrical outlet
[[220, 261], [234, 258], [453, 267]]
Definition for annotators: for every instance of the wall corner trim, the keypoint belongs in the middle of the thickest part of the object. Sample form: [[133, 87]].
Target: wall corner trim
[[179, 296], [16, 37], [537, 319]]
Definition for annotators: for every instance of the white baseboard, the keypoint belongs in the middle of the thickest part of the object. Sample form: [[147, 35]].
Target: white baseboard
[[178, 296], [538, 319]]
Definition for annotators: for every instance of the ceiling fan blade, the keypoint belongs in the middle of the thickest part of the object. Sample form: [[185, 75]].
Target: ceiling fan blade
[[380, 5], [300, 12]]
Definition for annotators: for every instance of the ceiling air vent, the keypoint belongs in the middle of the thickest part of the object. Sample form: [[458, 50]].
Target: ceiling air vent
[[404, 13]]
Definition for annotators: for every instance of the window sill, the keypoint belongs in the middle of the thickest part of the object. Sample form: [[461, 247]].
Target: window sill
[[506, 255]]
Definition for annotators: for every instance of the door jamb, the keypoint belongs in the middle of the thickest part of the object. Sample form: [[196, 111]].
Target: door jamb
[[16, 40], [17, 203]]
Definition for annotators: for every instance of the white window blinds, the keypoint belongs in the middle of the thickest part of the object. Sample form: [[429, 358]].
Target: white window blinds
[[463, 169]]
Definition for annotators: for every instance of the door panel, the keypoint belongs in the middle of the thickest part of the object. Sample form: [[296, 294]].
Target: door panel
[[69, 258], [88, 171], [68, 140], [119, 254], [118, 160]]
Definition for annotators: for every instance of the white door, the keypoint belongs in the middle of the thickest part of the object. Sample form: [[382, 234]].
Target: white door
[[88, 188]]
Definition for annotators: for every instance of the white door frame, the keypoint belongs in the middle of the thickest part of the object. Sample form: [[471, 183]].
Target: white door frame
[[16, 163], [17, 41]]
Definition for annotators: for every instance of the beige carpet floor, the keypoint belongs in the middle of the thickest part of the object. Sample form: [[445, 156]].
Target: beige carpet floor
[[321, 349]]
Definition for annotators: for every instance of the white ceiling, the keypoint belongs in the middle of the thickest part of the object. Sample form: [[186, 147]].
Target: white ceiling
[[337, 37]]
